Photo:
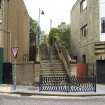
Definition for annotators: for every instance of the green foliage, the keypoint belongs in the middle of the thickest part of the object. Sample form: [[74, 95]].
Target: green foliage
[[33, 31], [60, 34], [65, 38], [54, 35]]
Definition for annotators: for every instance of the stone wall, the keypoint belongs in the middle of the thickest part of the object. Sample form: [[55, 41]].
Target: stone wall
[[15, 29], [27, 74]]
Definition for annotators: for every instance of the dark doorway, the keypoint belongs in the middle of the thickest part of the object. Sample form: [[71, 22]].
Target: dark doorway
[[75, 57], [7, 73], [84, 58], [100, 67]]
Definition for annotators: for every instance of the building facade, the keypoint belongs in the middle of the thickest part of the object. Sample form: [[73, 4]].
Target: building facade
[[85, 29], [14, 29], [62, 26], [88, 32], [88, 29]]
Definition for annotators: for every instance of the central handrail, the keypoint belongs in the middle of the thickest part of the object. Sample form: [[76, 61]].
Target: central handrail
[[49, 49], [64, 55]]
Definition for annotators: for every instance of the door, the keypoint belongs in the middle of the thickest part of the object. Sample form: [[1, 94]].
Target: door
[[7, 73], [100, 67]]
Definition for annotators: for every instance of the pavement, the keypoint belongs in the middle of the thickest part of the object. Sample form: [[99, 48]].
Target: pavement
[[31, 90]]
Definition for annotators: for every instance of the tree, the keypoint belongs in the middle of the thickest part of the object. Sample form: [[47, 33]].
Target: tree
[[33, 31], [34, 28], [61, 34], [65, 37], [54, 35]]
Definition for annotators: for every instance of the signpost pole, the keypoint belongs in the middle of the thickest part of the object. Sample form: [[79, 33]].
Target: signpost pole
[[14, 75], [15, 52]]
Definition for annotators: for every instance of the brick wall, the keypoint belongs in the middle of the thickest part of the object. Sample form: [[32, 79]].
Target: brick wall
[[27, 74]]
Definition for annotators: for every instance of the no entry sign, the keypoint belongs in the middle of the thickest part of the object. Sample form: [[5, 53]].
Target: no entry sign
[[15, 51]]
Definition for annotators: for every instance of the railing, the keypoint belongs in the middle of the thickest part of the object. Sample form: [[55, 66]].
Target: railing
[[44, 51], [64, 56], [65, 84]]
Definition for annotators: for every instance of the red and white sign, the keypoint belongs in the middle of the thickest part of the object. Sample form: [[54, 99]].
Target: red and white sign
[[15, 51]]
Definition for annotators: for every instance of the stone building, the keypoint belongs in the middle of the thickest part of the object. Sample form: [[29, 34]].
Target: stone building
[[62, 26], [88, 32], [14, 29]]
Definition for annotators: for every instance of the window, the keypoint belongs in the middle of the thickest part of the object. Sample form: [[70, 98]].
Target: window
[[84, 31], [0, 3], [75, 57], [103, 25], [84, 58], [83, 5]]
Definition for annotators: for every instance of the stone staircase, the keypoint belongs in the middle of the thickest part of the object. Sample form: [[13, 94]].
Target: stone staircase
[[52, 68], [52, 72], [54, 78]]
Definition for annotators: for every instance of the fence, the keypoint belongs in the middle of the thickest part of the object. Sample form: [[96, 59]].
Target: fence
[[68, 84]]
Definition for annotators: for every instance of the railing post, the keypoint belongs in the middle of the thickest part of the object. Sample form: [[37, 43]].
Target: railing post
[[67, 83], [94, 83], [40, 83]]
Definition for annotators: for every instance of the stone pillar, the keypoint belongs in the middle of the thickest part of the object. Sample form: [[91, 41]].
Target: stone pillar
[[37, 73]]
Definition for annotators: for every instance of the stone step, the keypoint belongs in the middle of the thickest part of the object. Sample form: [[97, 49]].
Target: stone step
[[47, 71], [56, 70], [55, 76], [46, 74], [55, 60], [55, 82], [53, 72], [52, 67], [51, 63]]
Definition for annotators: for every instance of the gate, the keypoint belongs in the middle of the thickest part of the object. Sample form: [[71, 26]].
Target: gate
[[100, 67], [67, 84], [7, 73]]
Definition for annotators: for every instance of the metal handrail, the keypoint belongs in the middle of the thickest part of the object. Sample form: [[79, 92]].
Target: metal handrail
[[62, 50], [71, 84]]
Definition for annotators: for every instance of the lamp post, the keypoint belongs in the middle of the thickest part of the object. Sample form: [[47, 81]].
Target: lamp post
[[41, 12], [50, 24]]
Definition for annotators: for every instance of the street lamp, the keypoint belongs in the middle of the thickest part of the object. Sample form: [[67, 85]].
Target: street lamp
[[50, 24], [41, 12]]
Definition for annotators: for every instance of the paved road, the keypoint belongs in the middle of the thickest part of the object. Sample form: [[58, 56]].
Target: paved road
[[14, 100]]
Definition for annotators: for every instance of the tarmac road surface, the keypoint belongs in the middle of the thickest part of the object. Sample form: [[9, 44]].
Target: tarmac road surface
[[41, 100]]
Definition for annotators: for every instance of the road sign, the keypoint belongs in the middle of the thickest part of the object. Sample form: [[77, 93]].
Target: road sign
[[15, 51]]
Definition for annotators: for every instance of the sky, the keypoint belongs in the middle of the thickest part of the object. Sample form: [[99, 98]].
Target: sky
[[56, 11]]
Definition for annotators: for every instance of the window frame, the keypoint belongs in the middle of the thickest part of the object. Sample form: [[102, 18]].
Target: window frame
[[103, 25], [82, 3], [0, 3], [84, 31]]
